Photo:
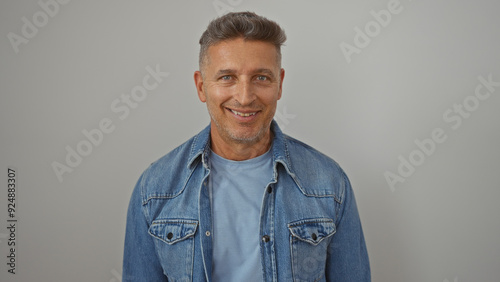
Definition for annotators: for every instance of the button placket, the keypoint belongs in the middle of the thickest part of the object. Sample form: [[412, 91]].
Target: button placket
[[267, 232]]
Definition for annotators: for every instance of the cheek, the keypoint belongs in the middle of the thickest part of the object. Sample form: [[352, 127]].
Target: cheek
[[215, 104], [218, 94], [270, 99]]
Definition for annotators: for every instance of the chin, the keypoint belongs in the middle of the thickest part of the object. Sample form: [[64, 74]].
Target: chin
[[243, 136]]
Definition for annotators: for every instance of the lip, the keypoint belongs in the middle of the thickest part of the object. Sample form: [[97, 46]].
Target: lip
[[244, 118]]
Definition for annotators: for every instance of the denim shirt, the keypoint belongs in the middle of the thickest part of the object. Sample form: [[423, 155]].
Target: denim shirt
[[309, 222]]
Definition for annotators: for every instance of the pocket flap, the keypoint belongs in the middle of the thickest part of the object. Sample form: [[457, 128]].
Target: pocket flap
[[312, 231], [172, 231]]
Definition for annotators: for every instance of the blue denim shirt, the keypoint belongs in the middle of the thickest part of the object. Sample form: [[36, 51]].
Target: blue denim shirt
[[309, 222]]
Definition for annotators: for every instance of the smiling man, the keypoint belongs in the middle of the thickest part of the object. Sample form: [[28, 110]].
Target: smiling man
[[241, 201], [241, 82]]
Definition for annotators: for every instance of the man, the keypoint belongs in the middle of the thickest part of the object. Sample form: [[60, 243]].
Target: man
[[241, 201]]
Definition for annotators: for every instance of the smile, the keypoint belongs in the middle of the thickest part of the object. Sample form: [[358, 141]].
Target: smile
[[243, 114]]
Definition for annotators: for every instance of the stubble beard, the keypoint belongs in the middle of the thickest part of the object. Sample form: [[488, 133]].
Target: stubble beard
[[231, 136]]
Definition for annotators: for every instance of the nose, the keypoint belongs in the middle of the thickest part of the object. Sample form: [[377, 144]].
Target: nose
[[245, 92]]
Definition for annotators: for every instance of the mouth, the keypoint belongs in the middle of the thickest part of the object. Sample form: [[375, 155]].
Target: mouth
[[242, 114]]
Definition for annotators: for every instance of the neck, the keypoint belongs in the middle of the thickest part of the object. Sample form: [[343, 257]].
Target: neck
[[240, 151]]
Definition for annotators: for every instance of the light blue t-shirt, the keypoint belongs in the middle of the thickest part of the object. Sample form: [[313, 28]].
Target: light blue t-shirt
[[237, 189]]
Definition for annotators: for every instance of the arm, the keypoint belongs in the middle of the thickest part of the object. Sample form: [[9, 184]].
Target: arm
[[140, 260], [347, 255]]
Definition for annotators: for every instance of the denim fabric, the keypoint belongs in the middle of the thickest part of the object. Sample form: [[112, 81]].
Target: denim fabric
[[309, 223]]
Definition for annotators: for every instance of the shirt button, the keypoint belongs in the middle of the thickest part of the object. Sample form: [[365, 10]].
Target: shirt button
[[269, 189], [207, 233], [265, 238], [314, 236], [170, 235]]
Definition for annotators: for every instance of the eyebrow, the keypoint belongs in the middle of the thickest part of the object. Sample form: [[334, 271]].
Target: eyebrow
[[225, 71], [266, 71], [231, 71]]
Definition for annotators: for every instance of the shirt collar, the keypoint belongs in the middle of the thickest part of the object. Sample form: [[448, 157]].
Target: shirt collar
[[200, 148]]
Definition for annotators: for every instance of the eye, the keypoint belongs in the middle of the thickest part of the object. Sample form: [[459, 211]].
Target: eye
[[262, 78], [225, 77]]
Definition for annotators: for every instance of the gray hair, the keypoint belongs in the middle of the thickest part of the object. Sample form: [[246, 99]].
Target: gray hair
[[246, 25]]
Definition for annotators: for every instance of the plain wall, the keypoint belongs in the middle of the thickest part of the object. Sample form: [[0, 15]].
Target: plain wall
[[365, 100]]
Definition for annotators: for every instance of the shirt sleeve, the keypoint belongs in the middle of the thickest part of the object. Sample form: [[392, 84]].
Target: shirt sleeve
[[347, 254], [140, 259]]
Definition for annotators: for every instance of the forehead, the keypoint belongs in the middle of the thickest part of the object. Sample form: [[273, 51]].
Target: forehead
[[240, 52]]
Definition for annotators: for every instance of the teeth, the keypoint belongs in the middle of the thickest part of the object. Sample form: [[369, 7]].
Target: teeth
[[243, 114]]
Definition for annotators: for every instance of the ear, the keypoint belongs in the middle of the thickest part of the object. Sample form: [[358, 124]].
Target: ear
[[282, 76], [198, 82]]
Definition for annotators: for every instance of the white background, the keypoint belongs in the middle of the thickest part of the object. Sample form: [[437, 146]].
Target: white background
[[440, 224]]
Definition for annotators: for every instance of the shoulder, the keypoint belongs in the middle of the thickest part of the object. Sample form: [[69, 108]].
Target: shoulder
[[316, 171], [302, 154], [165, 178]]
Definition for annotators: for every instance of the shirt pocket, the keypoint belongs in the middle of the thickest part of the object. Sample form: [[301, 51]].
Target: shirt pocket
[[175, 246], [309, 239]]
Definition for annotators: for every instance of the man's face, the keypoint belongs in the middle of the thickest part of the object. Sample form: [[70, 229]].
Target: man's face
[[241, 82]]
